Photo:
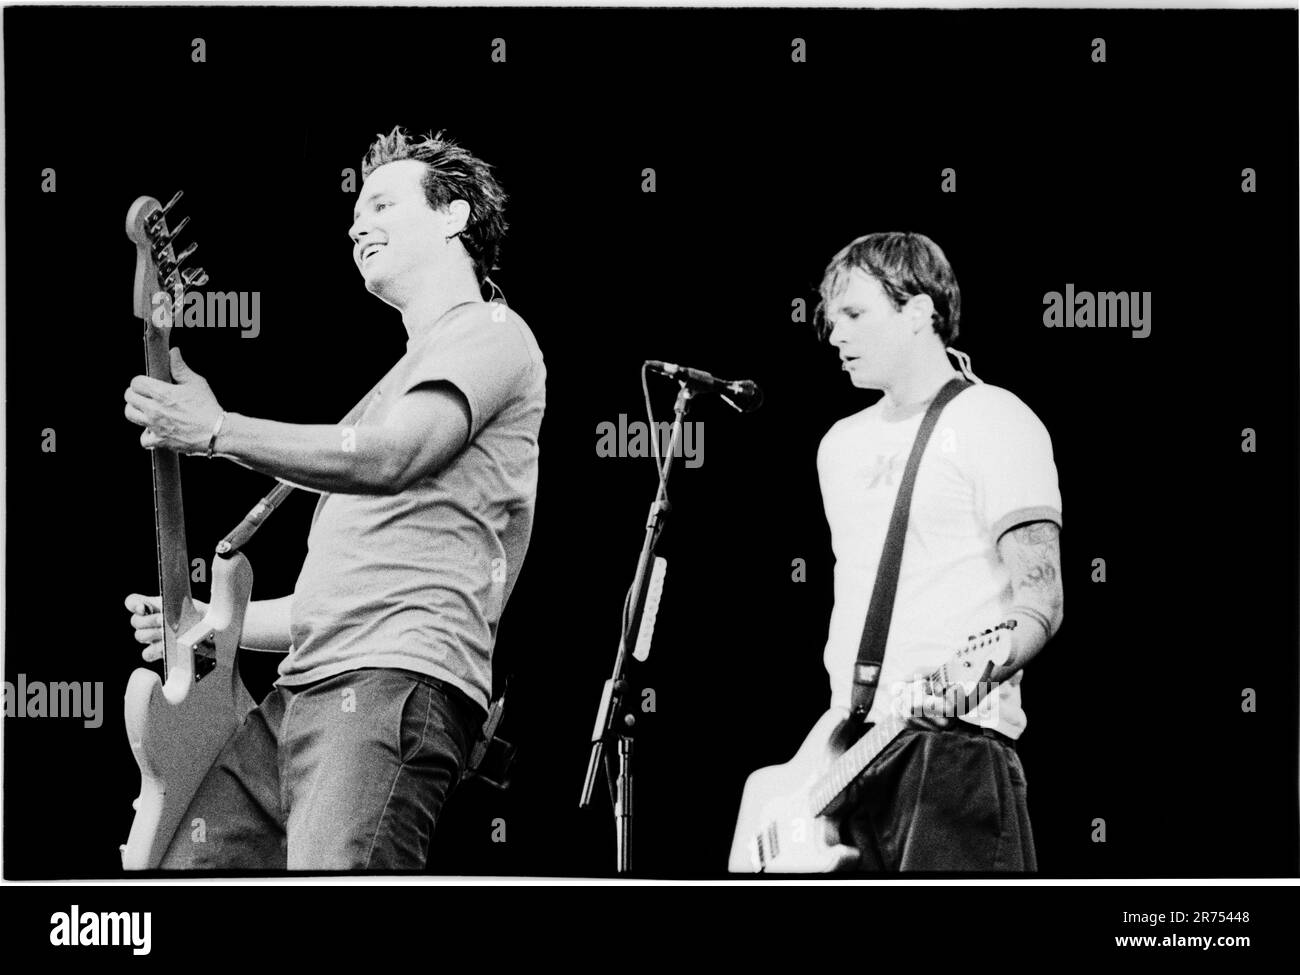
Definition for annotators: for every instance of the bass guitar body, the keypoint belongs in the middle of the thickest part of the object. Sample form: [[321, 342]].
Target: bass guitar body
[[176, 728]]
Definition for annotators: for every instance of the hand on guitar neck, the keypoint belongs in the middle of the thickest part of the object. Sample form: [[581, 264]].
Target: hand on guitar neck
[[931, 707], [179, 415]]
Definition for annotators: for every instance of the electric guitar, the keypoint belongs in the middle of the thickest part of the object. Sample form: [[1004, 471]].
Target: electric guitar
[[176, 725], [787, 821]]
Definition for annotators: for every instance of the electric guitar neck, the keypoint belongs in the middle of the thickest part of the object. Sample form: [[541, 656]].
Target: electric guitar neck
[[160, 285]]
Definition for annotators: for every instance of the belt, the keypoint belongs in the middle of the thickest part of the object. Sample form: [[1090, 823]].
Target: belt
[[954, 724], [966, 728]]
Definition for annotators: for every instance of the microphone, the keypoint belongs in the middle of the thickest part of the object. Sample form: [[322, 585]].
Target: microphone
[[742, 395]]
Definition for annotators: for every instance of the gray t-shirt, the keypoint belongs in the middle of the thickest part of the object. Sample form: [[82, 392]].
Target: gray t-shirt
[[418, 580]]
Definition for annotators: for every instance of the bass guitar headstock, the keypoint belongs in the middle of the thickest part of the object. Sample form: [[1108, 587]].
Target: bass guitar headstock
[[965, 675], [160, 280]]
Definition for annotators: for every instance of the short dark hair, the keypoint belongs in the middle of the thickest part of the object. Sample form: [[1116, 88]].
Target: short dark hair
[[905, 265], [451, 173]]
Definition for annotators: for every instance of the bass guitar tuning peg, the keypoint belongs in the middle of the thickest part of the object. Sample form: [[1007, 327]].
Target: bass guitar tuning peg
[[163, 239], [194, 277], [176, 231], [158, 214], [185, 254]]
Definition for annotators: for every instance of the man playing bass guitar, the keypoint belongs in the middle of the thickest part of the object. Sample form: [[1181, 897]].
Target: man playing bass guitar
[[424, 518]]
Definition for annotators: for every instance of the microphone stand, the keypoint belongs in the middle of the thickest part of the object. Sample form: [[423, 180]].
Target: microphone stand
[[614, 717]]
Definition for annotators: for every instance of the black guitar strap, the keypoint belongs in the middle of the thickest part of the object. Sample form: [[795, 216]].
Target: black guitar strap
[[875, 632]]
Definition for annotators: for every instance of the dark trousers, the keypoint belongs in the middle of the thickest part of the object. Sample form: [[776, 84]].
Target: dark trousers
[[348, 773], [951, 800]]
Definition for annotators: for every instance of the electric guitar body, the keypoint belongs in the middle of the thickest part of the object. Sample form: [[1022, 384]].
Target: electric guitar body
[[777, 826], [177, 723]]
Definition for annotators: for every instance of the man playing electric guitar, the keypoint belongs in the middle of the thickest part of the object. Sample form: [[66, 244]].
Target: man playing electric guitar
[[981, 549], [425, 514]]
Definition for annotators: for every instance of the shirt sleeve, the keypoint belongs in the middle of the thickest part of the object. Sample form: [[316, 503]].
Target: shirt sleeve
[[483, 354], [1011, 463]]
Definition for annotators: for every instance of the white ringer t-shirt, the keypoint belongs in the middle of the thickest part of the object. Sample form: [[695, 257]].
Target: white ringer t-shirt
[[987, 468]]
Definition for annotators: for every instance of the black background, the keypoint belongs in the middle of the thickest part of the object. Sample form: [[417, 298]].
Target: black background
[[1117, 176]]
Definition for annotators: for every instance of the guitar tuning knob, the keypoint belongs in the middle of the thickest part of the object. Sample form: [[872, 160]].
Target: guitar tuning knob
[[155, 217], [194, 277], [184, 255], [162, 238]]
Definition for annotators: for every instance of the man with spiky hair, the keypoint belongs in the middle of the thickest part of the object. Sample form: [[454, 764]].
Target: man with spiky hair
[[425, 514], [981, 548]]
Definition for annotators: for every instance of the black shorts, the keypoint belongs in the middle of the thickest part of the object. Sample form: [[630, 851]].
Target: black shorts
[[951, 800]]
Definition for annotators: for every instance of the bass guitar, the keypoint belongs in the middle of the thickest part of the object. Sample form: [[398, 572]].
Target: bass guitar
[[177, 723]]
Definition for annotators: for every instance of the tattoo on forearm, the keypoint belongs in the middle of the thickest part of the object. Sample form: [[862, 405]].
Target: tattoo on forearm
[[1033, 554]]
